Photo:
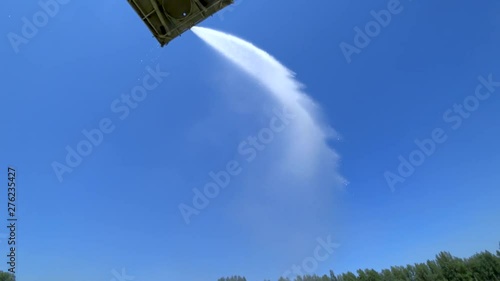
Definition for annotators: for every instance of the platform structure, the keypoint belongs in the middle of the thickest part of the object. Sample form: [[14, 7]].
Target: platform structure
[[168, 19]]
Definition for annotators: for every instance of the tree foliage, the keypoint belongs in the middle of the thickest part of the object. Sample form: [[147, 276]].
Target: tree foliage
[[6, 276], [483, 266]]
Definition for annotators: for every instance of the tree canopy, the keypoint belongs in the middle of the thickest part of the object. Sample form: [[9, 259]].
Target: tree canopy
[[6, 276], [483, 266]]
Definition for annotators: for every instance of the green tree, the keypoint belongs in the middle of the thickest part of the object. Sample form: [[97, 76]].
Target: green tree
[[399, 273], [423, 272], [7, 276], [454, 269], [373, 275], [436, 271], [333, 277], [387, 275], [410, 272], [484, 266], [362, 275], [349, 276]]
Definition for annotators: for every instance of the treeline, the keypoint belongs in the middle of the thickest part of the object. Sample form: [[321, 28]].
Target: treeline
[[233, 278], [484, 266]]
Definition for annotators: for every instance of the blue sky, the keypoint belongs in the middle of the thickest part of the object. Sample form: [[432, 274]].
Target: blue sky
[[119, 207]]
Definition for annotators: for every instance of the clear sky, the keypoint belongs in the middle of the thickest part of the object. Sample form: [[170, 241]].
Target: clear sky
[[119, 205]]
